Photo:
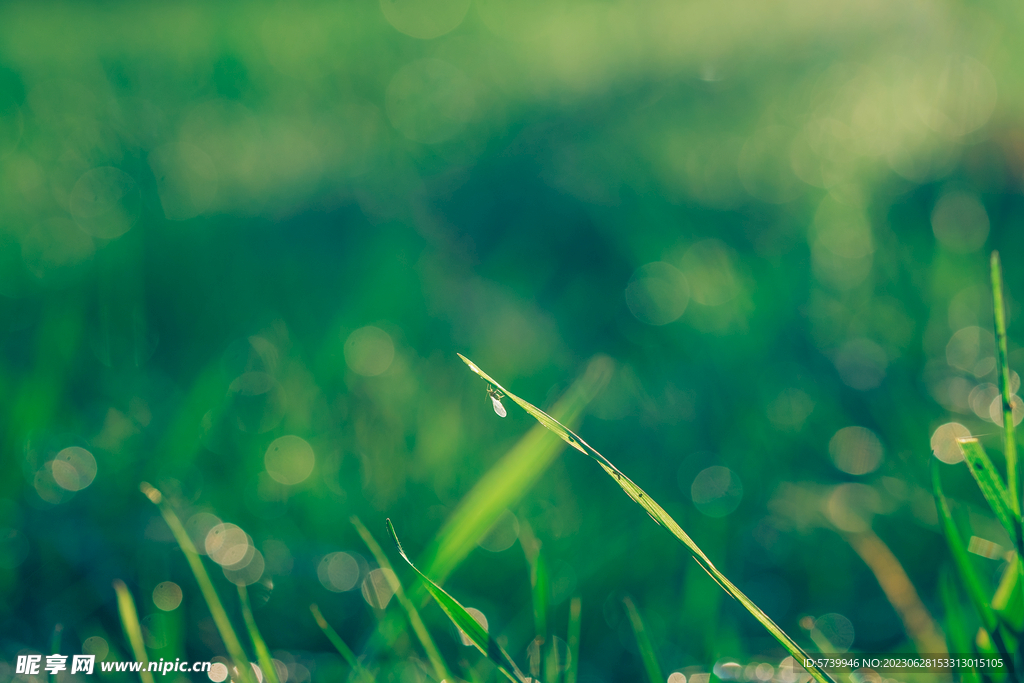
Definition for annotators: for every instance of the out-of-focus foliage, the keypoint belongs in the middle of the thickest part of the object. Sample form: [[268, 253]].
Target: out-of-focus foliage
[[241, 244]]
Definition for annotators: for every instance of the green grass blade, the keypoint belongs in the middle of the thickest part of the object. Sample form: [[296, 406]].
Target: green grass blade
[[132, 629], [1003, 368], [957, 631], [643, 642], [508, 480], [540, 587], [418, 627], [344, 650], [961, 560], [991, 484], [573, 665], [220, 616], [262, 653], [659, 516], [461, 618]]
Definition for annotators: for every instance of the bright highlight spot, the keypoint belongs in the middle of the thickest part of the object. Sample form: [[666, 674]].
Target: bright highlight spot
[[944, 442], [228, 545], [218, 672], [74, 468], [289, 459]]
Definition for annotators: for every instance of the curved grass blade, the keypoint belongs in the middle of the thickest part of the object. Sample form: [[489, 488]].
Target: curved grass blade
[[344, 650], [991, 485], [643, 642], [418, 627], [220, 616], [262, 653], [659, 516], [1003, 369], [572, 666], [461, 618], [132, 629], [509, 478]]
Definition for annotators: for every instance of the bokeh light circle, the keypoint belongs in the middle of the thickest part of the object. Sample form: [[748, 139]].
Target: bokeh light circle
[[716, 491], [105, 202], [289, 459], [369, 351], [657, 294], [960, 222], [430, 101], [424, 19], [944, 442], [379, 587], [338, 572], [167, 596], [855, 450], [74, 468]]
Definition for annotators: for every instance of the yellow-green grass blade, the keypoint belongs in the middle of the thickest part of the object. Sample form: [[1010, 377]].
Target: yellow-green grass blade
[[418, 627], [957, 631], [462, 619], [132, 629], [509, 479], [540, 586], [1008, 602], [659, 516], [643, 643], [991, 484], [220, 616], [262, 653], [344, 650], [1003, 368], [573, 639]]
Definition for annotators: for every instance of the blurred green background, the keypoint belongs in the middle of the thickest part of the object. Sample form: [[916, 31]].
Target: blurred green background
[[225, 224]]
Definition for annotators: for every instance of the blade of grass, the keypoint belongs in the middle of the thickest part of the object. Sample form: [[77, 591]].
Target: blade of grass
[[418, 627], [509, 478], [573, 639], [991, 484], [957, 631], [900, 591], [962, 563], [643, 643], [659, 516], [344, 650], [540, 586], [461, 618], [132, 629], [1008, 602], [220, 616], [262, 653], [1003, 368]]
